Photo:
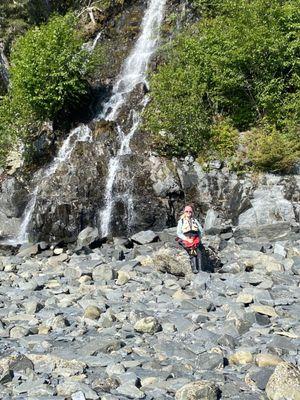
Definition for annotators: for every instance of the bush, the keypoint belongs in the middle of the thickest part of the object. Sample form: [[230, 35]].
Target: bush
[[15, 122], [270, 150], [47, 75], [224, 139], [48, 66], [240, 62]]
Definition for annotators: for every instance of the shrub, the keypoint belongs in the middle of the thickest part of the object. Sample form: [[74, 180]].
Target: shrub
[[270, 150], [15, 121], [224, 139], [48, 66], [47, 75]]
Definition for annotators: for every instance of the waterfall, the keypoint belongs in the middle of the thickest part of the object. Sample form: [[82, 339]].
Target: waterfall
[[79, 134], [4, 66], [133, 73]]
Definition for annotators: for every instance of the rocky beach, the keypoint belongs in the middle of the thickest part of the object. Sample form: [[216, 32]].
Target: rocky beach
[[127, 319]]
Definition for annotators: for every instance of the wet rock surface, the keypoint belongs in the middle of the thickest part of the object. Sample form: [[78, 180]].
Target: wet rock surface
[[91, 324]]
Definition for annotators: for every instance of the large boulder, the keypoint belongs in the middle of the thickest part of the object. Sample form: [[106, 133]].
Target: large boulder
[[144, 237], [284, 383], [147, 325], [173, 261], [278, 231], [87, 236], [203, 390]]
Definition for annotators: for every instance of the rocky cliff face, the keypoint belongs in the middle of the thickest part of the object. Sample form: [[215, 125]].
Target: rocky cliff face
[[248, 200], [72, 197]]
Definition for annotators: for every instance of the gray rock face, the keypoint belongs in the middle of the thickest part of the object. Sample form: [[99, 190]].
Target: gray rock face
[[210, 219], [159, 189], [269, 204], [4, 67], [9, 227], [13, 198]]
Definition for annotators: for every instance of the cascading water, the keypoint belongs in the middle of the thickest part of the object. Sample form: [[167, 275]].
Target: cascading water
[[79, 134], [3, 66], [134, 73]]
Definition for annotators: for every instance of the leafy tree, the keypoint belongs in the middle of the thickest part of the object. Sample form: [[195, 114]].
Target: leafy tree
[[48, 66], [240, 62]]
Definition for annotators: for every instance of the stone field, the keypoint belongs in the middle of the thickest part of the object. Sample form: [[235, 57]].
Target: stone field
[[128, 319]]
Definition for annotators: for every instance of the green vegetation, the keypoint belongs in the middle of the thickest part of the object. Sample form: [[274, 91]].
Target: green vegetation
[[47, 73], [48, 67], [271, 150], [235, 70]]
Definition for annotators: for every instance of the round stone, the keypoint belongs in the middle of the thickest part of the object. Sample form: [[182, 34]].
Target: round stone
[[198, 390], [92, 312], [18, 332], [267, 360], [147, 325], [241, 357]]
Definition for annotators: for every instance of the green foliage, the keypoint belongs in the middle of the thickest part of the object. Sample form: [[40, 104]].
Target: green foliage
[[48, 65], [47, 75], [241, 61], [15, 122], [209, 8], [270, 150], [224, 139], [97, 61], [178, 111]]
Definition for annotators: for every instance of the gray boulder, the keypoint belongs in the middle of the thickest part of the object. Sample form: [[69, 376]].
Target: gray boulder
[[284, 383], [173, 261], [87, 236], [144, 237], [203, 390]]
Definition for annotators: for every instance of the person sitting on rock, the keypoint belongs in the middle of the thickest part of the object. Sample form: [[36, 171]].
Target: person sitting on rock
[[189, 232]]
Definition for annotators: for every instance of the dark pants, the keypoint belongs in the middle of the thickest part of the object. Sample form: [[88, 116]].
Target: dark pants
[[195, 255]]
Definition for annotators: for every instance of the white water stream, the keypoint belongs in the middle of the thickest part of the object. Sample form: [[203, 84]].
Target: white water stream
[[133, 73], [4, 66], [79, 134]]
